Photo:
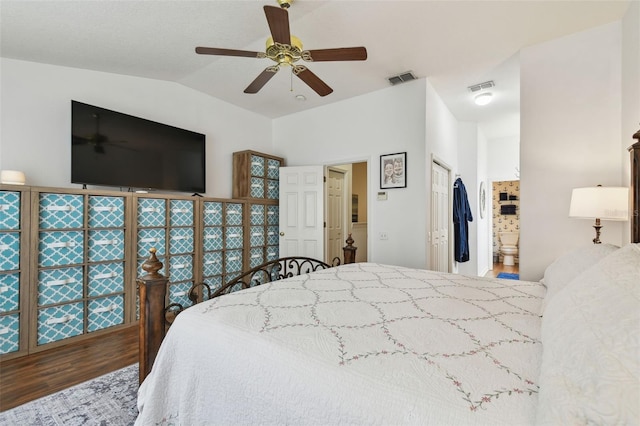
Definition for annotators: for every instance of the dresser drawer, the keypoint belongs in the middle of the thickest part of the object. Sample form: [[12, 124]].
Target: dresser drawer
[[234, 214], [256, 216], [60, 248], [233, 237], [212, 264], [272, 253], [181, 213], [61, 211], [178, 293], [180, 240], [213, 238], [9, 292], [105, 278], [273, 169], [9, 333], [233, 261], [151, 212], [59, 285], [9, 210], [257, 165], [272, 215], [105, 312], [60, 322], [273, 189], [180, 268], [106, 245], [256, 236], [106, 212], [212, 213], [151, 238], [9, 251], [213, 282], [256, 257], [272, 236], [257, 187]]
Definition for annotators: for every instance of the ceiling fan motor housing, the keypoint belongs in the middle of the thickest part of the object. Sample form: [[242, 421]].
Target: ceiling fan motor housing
[[284, 54]]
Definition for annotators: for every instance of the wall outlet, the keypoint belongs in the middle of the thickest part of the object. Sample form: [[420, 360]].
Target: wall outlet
[[383, 236]]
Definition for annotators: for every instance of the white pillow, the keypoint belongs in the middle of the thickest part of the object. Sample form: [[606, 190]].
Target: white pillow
[[590, 372], [567, 267]]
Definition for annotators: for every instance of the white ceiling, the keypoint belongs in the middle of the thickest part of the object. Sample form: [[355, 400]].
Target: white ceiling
[[454, 43]]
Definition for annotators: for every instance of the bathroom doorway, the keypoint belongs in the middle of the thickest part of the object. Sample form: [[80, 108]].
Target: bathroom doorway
[[505, 219]]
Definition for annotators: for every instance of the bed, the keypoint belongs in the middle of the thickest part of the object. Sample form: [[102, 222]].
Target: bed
[[378, 344], [370, 343]]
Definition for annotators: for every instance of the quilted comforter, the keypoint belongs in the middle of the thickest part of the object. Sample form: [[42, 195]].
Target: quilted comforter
[[358, 344]]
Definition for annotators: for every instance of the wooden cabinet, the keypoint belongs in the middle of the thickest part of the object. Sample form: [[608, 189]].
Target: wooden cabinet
[[256, 175], [13, 270], [79, 268]]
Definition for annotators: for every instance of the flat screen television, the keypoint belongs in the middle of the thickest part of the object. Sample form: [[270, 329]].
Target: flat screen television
[[109, 148]]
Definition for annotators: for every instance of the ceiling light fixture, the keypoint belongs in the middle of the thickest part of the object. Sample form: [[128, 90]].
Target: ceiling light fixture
[[483, 98]]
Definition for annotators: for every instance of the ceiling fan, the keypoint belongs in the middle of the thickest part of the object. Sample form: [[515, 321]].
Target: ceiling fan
[[285, 50]]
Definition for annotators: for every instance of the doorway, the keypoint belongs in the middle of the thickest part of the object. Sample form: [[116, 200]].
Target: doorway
[[440, 249], [346, 201]]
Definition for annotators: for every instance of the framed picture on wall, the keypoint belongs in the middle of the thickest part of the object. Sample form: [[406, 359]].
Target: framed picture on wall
[[393, 170]]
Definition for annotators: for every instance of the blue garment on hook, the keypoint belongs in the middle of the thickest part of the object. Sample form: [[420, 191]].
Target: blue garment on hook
[[461, 218]]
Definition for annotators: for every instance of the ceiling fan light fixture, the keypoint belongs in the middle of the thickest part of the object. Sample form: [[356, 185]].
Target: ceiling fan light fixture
[[483, 98]]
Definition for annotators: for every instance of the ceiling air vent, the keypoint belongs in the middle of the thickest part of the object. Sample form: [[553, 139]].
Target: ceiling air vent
[[481, 86], [401, 78]]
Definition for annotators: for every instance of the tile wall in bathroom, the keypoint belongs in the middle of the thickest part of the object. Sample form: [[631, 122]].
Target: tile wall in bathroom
[[505, 222]]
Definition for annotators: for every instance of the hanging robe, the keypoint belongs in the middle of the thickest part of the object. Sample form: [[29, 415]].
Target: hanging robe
[[461, 218]]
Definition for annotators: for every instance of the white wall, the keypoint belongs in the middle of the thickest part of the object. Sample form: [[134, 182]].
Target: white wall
[[630, 89], [36, 119], [503, 157], [570, 137], [363, 128]]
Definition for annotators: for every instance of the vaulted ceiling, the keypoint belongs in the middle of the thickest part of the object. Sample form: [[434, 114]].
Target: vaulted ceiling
[[454, 43]]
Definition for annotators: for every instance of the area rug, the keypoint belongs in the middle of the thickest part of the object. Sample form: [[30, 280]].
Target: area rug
[[105, 400], [508, 276]]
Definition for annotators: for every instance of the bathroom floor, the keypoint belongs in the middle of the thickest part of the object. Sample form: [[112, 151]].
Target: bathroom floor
[[499, 267]]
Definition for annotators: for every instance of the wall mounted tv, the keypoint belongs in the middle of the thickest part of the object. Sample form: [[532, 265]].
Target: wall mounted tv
[[114, 149]]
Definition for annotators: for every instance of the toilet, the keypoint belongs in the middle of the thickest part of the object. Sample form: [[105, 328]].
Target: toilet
[[509, 247]]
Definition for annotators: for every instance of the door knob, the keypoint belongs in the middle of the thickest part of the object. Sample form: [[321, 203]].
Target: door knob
[[281, 234]]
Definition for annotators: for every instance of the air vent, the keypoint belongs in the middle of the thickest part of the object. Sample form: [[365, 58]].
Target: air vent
[[401, 78], [481, 86]]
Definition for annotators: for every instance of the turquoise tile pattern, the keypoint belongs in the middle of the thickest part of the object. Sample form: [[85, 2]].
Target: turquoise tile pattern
[[9, 333], [105, 312], [9, 292], [60, 322], [61, 211], [9, 210], [59, 285]]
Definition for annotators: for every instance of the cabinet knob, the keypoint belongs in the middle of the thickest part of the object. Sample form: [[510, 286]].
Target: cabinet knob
[[281, 234]]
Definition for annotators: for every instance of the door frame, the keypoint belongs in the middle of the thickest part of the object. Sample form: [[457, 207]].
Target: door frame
[[369, 161], [435, 159], [346, 196]]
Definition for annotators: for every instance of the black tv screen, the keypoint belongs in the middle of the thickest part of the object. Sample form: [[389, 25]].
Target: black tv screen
[[114, 149]]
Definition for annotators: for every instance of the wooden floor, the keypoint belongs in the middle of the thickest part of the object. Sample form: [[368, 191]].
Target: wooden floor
[[30, 377], [499, 267]]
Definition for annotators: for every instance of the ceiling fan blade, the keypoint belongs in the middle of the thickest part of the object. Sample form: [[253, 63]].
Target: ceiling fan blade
[[228, 52], [262, 79], [338, 54], [312, 80], [278, 20]]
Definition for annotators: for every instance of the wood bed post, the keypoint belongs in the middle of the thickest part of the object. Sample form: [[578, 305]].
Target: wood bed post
[[349, 251], [152, 289]]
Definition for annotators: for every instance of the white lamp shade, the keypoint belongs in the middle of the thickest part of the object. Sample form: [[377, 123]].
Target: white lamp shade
[[600, 202], [12, 177]]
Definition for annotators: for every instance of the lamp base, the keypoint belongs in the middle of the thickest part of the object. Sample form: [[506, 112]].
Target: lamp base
[[597, 227]]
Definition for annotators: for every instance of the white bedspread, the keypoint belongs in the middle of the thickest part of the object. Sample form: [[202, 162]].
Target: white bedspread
[[358, 344]]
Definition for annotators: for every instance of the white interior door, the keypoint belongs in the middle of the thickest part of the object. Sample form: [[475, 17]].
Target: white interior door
[[440, 218], [335, 213], [302, 211]]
